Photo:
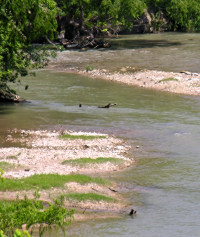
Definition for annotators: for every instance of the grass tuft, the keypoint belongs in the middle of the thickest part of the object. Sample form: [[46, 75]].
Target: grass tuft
[[89, 68], [12, 157], [83, 137], [88, 197], [86, 161], [6, 166], [168, 79], [47, 181]]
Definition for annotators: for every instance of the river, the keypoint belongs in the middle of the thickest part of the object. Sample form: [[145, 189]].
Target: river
[[164, 184]]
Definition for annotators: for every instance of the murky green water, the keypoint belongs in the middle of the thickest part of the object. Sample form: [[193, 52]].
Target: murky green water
[[165, 182]]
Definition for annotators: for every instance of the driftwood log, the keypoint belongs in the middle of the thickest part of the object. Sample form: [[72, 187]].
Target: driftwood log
[[85, 43], [107, 106]]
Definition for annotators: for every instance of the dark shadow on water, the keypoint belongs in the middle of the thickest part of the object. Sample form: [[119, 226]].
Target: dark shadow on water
[[6, 108], [120, 44], [136, 44]]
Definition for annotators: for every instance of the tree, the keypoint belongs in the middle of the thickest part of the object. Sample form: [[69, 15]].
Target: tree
[[182, 15], [96, 17], [129, 11], [22, 22]]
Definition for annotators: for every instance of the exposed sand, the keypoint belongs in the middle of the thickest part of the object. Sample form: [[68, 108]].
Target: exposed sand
[[182, 82], [43, 152]]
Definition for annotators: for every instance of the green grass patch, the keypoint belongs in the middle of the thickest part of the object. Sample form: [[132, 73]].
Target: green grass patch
[[83, 137], [6, 166], [47, 181], [12, 157], [168, 79], [86, 161], [89, 197]]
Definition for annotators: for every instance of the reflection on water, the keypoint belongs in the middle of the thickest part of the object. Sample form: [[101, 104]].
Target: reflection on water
[[6, 108], [164, 183]]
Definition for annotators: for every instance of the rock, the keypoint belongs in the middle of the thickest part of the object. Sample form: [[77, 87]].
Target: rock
[[123, 69], [186, 72], [195, 74], [132, 212], [86, 147]]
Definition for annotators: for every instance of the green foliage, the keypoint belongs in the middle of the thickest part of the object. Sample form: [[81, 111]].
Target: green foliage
[[47, 181], [30, 18], [130, 10], [21, 22], [185, 14], [17, 233], [89, 68], [83, 137], [102, 15], [182, 15], [86, 161], [1, 173], [14, 214], [111, 15], [31, 213], [88, 197]]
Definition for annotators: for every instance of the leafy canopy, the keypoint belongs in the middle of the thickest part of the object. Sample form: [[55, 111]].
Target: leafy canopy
[[22, 22], [102, 13], [183, 15]]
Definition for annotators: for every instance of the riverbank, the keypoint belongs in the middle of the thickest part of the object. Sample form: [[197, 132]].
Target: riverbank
[[78, 157], [182, 83]]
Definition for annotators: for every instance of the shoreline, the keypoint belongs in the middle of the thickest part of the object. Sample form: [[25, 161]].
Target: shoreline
[[184, 82], [44, 152]]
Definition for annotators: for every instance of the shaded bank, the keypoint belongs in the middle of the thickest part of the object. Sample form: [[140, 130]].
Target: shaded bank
[[8, 95]]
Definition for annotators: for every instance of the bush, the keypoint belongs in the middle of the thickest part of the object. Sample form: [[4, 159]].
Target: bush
[[29, 213]]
